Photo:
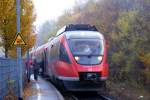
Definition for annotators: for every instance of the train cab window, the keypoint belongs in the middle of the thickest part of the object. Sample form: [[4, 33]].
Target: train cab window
[[63, 56], [86, 46], [87, 51]]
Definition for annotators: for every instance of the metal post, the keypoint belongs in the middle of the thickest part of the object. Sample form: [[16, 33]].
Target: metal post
[[19, 59], [19, 63], [18, 15]]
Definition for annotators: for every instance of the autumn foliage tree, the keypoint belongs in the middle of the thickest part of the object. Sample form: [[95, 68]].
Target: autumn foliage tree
[[8, 25]]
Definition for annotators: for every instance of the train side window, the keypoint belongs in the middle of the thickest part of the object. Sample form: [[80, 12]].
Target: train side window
[[63, 56]]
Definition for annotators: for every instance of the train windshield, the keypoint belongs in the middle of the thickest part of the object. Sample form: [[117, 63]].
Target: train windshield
[[86, 47], [87, 51]]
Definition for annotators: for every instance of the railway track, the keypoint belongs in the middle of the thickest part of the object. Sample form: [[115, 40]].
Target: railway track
[[85, 96], [105, 97]]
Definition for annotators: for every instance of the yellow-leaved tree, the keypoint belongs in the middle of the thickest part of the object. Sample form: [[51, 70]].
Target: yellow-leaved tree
[[8, 25]]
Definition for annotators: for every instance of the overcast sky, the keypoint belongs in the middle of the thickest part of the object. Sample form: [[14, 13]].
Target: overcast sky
[[50, 9]]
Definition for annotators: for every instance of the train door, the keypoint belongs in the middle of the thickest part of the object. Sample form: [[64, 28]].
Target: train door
[[45, 62]]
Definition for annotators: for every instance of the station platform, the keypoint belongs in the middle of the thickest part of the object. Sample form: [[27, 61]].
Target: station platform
[[41, 90]]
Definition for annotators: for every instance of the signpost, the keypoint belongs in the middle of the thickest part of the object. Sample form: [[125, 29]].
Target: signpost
[[18, 42]]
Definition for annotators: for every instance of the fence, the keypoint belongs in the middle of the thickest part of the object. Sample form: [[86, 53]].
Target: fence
[[8, 71]]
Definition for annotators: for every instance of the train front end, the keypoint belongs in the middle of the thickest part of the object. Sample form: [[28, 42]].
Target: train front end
[[85, 67]]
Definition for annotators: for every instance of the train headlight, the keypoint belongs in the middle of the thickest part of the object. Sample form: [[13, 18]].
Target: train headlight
[[77, 58], [100, 58]]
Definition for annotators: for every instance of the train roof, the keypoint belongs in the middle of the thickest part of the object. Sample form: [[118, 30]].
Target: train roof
[[76, 27], [50, 39], [47, 44], [83, 34]]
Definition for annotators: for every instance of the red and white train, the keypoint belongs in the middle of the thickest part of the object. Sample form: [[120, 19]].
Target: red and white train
[[75, 58]]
